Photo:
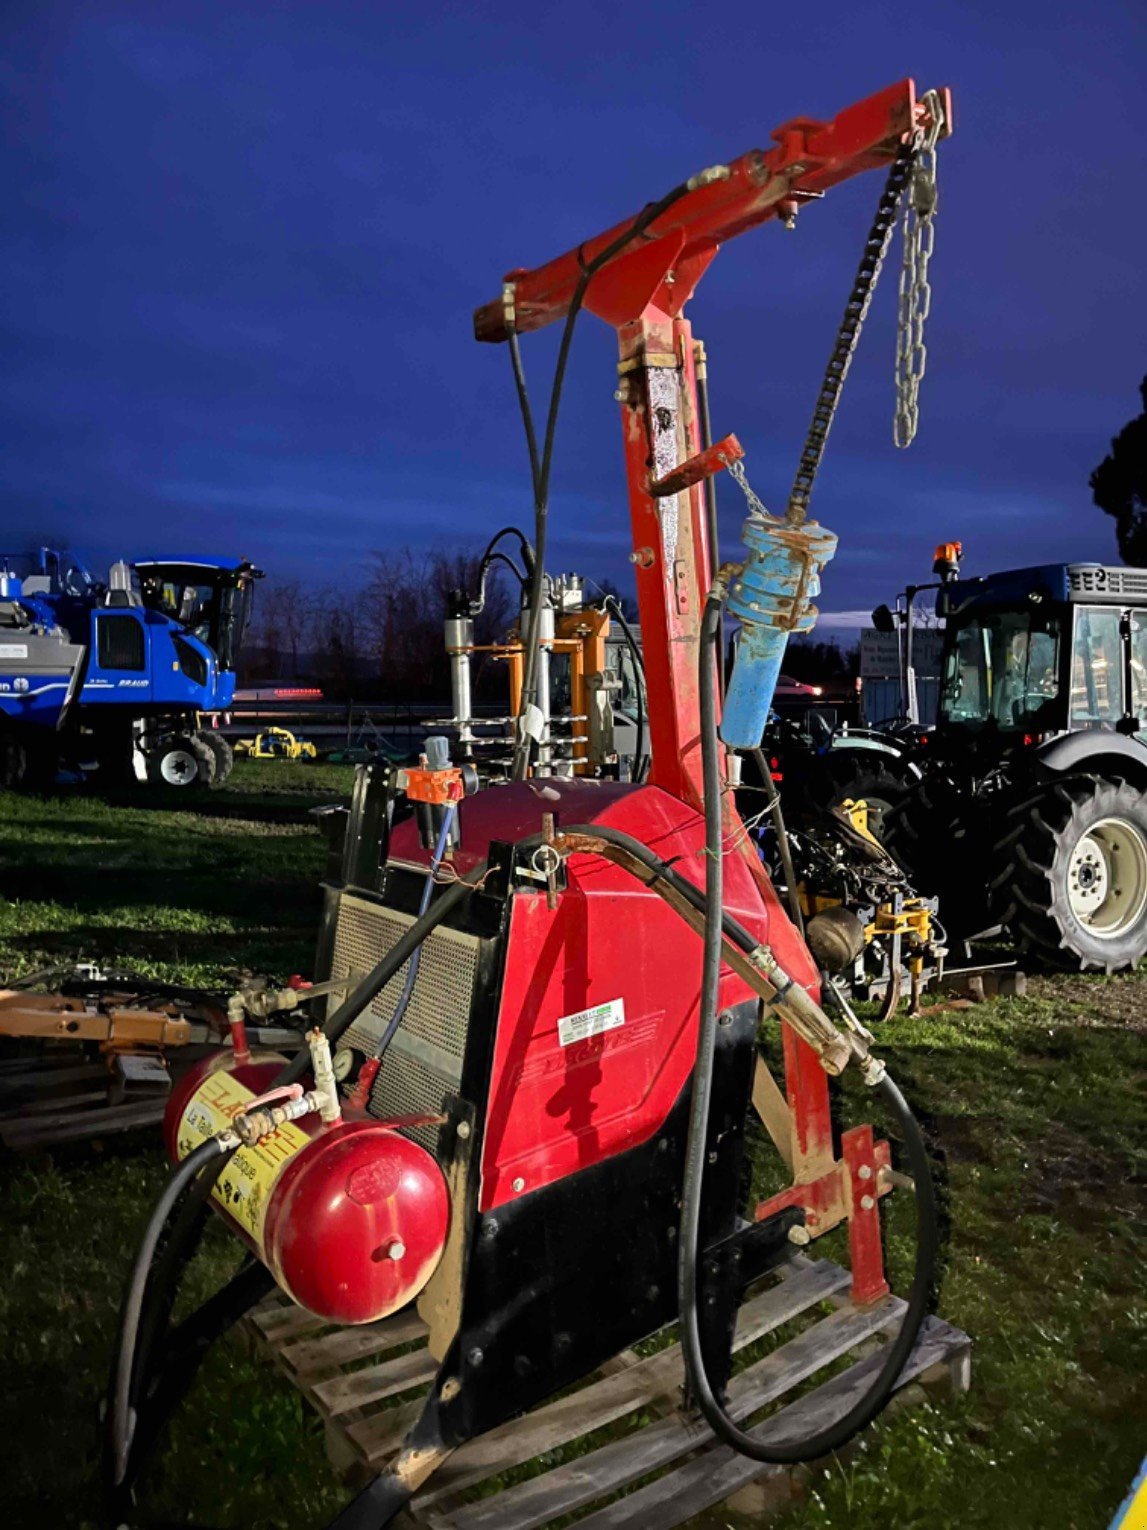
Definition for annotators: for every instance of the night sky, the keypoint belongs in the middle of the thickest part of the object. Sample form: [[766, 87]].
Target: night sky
[[242, 243]]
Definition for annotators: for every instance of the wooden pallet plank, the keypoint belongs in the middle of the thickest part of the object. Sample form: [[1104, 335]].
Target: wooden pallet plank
[[310, 1357], [281, 1323], [615, 1465], [714, 1475], [602, 1402], [60, 1127], [53, 1102], [417, 1367]]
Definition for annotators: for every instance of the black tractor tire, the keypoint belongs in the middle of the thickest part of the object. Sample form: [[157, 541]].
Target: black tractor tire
[[1070, 883], [868, 776], [223, 752], [933, 834], [27, 763], [182, 760]]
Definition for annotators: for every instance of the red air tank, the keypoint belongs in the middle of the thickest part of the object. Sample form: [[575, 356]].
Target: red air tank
[[349, 1218]]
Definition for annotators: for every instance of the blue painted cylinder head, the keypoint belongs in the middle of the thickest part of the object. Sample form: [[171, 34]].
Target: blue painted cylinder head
[[771, 598]]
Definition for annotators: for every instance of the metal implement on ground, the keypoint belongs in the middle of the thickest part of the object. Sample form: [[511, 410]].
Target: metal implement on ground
[[546, 1072], [276, 744]]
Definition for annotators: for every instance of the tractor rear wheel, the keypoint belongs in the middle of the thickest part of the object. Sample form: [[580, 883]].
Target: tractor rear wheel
[[931, 833], [180, 761], [221, 749], [1071, 884], [865, 775]]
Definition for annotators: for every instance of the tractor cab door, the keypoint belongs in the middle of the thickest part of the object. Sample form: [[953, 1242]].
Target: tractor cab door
[[119, 667]]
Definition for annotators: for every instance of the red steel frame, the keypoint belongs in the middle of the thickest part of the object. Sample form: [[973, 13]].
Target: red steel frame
[[642, 292]]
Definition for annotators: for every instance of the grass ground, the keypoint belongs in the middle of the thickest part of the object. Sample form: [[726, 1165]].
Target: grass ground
[[1035, 1106]]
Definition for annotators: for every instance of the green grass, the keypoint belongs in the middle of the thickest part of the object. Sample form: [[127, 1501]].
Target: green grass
[[1034, 1105]]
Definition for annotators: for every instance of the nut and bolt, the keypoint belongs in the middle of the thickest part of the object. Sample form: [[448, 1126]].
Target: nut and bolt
[[800, 1236], [518, 1185], [867, 1202], [864, 1172], [475, 1357], [725, 1019], [463, 1129]]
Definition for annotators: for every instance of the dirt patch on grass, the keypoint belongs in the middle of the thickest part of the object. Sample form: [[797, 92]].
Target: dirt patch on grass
[[1117, 1000]]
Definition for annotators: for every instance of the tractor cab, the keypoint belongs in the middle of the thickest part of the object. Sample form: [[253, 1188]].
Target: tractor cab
[[209, 598], [1043, 651]]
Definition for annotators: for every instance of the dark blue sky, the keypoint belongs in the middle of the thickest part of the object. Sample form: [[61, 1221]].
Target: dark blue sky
[[242, 243]]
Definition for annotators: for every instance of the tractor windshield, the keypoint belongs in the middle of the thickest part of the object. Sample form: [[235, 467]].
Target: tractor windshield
[[1002, 668], [212, 604]]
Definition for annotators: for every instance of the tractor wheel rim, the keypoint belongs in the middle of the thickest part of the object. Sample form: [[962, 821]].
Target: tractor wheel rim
[[1107, 878], [178, 767]]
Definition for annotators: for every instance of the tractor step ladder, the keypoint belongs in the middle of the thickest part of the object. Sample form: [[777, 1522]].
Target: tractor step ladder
[[620, 1426]]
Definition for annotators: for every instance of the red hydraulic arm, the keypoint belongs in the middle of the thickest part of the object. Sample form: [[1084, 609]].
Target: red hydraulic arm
[[642, 291]]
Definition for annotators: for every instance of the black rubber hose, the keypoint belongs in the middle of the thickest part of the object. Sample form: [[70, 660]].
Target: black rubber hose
[[121, 1427], [542, 463], [841, 1430], [780, 829], [376, 980], [639, 684]]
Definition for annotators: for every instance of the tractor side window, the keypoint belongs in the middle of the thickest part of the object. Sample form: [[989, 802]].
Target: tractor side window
[[1139, 665], [119, 643], [1096, 668]]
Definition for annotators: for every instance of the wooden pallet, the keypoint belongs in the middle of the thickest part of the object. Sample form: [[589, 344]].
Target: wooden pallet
[[361, 1382], [61, 1097]]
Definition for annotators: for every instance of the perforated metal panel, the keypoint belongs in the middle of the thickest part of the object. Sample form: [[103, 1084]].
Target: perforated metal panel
[[424, 1061]]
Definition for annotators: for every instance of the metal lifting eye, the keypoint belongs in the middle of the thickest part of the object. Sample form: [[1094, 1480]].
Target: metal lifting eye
[[545, 861]]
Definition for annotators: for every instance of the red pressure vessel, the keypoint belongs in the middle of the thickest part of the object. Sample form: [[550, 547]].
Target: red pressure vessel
[[350, 1219]]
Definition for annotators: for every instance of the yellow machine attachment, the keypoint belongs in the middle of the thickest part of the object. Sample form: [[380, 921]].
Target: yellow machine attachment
[[863, 920], [276, 744]]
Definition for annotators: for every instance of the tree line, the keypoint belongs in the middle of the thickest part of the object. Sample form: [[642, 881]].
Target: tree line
[[381, 639]]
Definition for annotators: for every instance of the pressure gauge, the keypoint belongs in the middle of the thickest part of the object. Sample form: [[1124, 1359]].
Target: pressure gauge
[[343, 1064]]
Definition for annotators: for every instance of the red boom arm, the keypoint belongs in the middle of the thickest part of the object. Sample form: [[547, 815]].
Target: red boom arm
[[809, 157]]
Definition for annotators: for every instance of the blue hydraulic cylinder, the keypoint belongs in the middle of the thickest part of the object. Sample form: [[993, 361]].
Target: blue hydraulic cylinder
[[770, 597]]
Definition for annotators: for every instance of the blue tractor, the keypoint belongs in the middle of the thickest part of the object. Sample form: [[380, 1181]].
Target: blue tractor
[[115, 677], [1030, 814]]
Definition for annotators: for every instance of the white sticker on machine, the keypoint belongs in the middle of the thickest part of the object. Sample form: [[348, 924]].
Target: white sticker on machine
[[591, 1022], [13, 650]]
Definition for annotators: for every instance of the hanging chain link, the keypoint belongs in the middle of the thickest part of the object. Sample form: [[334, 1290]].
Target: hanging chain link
[[915, 293], [914, 304], [855, 312], [740, 478]]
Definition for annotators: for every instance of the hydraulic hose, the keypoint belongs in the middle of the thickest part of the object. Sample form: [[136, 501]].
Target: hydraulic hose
[[541, 462], [780, 829], [215, 1152], [403, 1004], [378, 977], [867, 1407]]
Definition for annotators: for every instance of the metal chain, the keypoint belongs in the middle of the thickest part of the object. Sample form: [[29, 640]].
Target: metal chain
[[855, 312], [740, 478], [915, 293]]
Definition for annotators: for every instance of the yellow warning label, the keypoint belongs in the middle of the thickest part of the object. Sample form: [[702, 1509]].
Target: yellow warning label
[[246, 1183]]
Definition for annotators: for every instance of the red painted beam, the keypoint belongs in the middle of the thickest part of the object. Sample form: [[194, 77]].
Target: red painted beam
[[809, 156]]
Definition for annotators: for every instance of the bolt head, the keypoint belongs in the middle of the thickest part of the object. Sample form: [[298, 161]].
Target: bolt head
[[397, 1249], [864, 1172], [463, 1129], [867, 1203], [475, 1357], [518, 1185], [800, 1236]]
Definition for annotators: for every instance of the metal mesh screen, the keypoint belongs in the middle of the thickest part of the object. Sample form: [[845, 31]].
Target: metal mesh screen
[[424, 1061]]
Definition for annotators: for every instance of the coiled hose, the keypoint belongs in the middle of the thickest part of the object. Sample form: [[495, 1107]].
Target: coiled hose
[[854, 1419]]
